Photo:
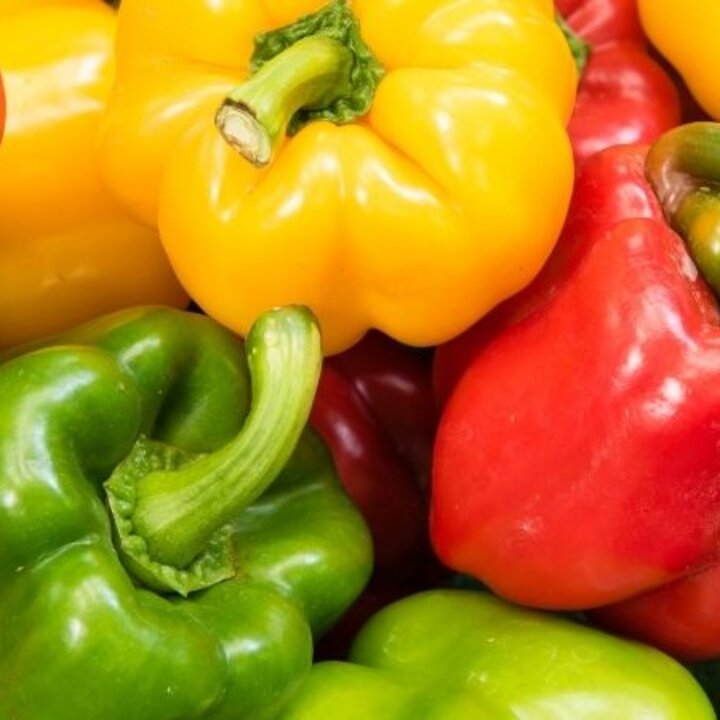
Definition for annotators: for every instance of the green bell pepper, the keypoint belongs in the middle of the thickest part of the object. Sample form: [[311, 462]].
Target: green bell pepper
[[219, 500], [451, 654]]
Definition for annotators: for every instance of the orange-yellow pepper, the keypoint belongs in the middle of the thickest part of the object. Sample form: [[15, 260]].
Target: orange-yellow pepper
[[2, 108], [68, 250], [416, 217], [685, 32]]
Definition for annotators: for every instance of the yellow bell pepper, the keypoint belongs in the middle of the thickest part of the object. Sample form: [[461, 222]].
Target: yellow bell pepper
[[685, 32], [68, 250], [427, 181]]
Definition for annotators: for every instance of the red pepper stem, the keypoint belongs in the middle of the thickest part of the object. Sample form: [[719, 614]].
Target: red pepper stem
[[312, 73], [578, 47], [683, 167]]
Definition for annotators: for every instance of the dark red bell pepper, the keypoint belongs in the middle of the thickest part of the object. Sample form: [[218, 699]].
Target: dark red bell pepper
[[375, 410], [577, 460], [624, 96]]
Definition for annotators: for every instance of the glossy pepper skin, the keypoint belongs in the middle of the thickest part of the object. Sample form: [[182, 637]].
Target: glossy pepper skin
[[684, 32], [375, 410], [580, 427], [624, 96], [444, 655], [2, 108], [80, 638], [416, 227], [69, 252]]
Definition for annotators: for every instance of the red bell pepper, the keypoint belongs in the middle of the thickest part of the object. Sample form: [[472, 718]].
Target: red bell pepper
[[577, 459], [374, 408], [624, 96]]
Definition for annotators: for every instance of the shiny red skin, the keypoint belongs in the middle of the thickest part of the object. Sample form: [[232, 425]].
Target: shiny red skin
[[375, 409], [602, 22], [624, 96], [607, 193], [577, 458], [681, 618]]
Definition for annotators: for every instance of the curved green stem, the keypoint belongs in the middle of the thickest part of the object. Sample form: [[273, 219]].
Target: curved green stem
[[172, 510], [318, 68], [683, 167]]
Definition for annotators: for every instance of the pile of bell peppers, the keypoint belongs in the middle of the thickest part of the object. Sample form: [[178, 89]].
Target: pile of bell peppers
[[316, 311]]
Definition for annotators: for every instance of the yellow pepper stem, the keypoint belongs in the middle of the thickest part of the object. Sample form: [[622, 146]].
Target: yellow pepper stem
[[683, 167], [318, 68], [312, 73]]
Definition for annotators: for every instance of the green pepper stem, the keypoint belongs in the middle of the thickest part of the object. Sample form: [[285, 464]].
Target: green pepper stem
[[683, 167], [312, 73], [178, 511], [578, 47]]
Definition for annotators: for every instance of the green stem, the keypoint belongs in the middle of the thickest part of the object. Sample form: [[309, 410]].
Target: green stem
[[312, 73], [683, 167], [172, 510], [578, 47], [317, 68]]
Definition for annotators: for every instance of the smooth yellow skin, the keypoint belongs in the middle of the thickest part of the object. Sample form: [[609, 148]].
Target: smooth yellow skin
[[444, 200], [685, 32], [68, 251]]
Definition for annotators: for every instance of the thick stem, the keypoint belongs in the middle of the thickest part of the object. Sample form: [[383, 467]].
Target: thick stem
[[312, 73], [171, 509], [317, 68], [698, 221], [683, 167], [578, 47], [177, 512]]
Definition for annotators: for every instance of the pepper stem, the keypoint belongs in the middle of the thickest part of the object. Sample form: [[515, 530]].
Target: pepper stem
[[317, 68], [683, 167], [172, 510], [312, 73], [578, 47]]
